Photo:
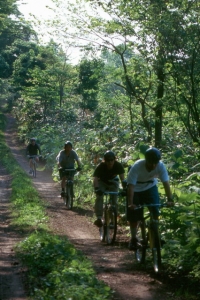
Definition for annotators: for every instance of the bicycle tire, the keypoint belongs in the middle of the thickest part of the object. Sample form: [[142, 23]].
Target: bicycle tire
[[68, 197], [102, 232], [72, 197], [140, 252], [34, 169], [154, 239], [110, 227], [65, 199], [156, 251]]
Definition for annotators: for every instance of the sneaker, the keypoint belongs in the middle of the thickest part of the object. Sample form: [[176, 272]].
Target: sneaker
[[31, 171], [98, 223], [133, 244], [62, 194]]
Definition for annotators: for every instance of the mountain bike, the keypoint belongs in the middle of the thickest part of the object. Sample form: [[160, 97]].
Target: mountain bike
[[109, 229], [68, 197], [34, 163], [149, 238]]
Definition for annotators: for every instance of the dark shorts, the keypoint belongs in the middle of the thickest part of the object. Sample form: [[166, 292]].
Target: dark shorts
[[149, 196]]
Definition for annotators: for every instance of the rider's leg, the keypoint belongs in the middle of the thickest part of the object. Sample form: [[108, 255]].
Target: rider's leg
[[31, 165], [98, 208], [152, 197], [133, 217], [63, 185], [133, 230]]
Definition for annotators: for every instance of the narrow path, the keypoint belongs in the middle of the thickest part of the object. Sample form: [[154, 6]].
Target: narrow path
[[114, 264]]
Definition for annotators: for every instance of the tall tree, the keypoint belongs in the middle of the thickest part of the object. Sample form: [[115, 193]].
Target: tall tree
[[90, 73]]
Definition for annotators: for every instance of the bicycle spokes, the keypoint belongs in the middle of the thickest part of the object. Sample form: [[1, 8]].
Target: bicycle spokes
[[68, 199], [140, 252]]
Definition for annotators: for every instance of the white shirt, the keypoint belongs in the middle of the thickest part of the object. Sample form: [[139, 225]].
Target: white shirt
[[139, 176]]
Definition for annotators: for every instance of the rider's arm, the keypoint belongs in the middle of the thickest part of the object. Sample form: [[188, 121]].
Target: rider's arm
[[121, 176], [59, 159], [78, 162], [168, 191], [39, 149], [96, 182]]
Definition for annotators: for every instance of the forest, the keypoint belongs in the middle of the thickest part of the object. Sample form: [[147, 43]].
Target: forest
[[136, 85]]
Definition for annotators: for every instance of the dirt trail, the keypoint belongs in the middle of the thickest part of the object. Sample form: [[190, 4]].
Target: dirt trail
[[114, 264], [11, 286]]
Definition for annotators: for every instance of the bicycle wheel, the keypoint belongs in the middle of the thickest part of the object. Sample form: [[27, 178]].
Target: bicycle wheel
[[102, 232], [156, 248], [140, 252], [34, 169], [65, 198], [72, 197], [102, 228], [110, 228], [69, 198]]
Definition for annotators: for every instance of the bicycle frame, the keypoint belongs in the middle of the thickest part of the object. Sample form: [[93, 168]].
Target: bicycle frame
[[109, 229], [34, 164], [69, 182], [149, 237]]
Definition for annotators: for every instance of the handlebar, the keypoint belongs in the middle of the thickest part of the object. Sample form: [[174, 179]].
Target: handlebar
[[151, 205], [68, 172], [113, 193]]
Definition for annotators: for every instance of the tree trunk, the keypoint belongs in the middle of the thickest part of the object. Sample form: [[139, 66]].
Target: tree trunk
[[158, 108]]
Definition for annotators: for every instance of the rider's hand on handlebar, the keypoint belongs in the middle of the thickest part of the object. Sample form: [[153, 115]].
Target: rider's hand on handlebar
[[170, 202], [98, 192], [132, 206], [124, 184]]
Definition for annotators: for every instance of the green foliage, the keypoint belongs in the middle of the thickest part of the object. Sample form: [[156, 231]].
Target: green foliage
[[58, 271], [90, 73]]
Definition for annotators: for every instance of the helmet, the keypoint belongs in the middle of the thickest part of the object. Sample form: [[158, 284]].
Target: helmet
[[68, 143], [109, 155], [152, 155], [32, 139]]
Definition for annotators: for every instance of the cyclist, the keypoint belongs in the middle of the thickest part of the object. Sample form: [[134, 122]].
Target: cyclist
[[106, 178], [66, 159], [32, 149], [142, 189]]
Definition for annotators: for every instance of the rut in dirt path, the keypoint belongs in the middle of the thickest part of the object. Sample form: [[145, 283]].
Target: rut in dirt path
[[114, 264]]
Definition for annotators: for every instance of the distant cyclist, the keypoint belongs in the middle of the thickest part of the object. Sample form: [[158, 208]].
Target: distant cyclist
[[142, 188], [106, 179], [32, 149], [66, 159]]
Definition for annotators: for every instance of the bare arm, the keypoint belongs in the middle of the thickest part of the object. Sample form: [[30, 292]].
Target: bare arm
[[168, 192], [130, 194], [78, 163], [121, 176], [95, 182]]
